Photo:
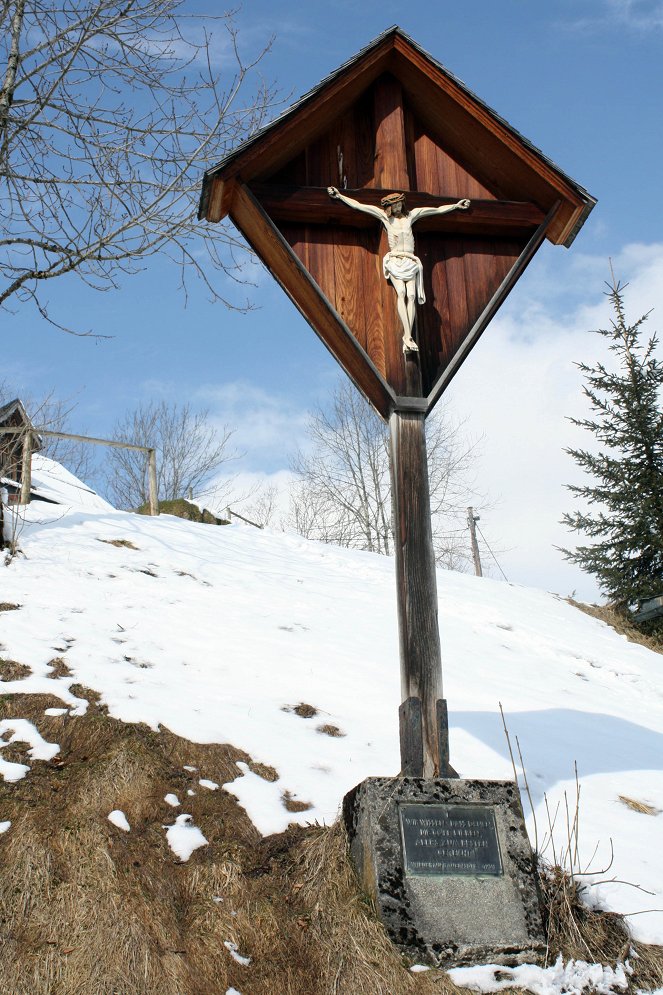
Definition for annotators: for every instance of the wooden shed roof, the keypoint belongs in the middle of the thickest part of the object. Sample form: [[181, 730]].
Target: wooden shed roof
[[477, 135]]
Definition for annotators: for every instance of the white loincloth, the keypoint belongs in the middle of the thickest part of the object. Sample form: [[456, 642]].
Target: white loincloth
[[405, 266]]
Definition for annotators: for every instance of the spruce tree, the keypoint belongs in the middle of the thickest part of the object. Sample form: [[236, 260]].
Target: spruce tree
[[623, 513]]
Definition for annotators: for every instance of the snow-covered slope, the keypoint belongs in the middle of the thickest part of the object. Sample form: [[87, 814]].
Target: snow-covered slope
[[219, 633]]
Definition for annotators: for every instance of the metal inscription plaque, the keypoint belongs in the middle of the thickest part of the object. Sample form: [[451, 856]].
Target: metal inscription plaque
[[450, 840]]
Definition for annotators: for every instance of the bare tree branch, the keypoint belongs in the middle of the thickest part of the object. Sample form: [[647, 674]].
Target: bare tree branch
[[343, 492], [109, 112], [189, 451]]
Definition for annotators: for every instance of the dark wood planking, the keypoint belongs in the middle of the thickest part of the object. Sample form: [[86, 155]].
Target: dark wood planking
[[390, 174], [350, 293], [298, 238], [438, 173], [392, 329], [312, 119], [321, 261], [455, 272], [293, 173], [474, 135], [390, 155], [371, 280], [274, 250], [486, 265], [364, 143], [434, 315], [313, 205], [464, 347]]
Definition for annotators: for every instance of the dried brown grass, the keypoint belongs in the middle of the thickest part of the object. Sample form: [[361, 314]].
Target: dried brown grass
[[120, 543], [11, 670], [86, 909], [594, 935], [621, 624], [637, 806], [330, 730]]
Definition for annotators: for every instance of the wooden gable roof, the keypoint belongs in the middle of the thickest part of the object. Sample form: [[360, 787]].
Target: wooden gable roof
[[472, 131], [394, 119]]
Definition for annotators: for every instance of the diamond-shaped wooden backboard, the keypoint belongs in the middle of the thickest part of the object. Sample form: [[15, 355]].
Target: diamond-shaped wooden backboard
[[391, 120]]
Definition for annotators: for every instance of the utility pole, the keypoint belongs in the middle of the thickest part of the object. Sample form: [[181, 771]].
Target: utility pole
[[472, 519]]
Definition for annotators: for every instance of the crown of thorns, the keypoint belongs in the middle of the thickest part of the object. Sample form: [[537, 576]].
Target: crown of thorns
[[392, 198]]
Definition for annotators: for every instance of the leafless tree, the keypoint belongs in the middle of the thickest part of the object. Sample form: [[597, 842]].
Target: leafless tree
[[109, 111], [189, 451], [343, 491]]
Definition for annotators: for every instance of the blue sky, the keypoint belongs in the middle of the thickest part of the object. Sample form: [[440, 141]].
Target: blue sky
[[582, 79]]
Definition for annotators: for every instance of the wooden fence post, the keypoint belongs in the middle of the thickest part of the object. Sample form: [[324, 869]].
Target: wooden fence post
[[26, 469], [152, 480]]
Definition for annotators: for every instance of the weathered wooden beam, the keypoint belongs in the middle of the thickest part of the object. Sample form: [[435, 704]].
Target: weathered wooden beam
[[416, 582], [313, 205], [306, 295], [152, 481], [78, 438], [26, 469]]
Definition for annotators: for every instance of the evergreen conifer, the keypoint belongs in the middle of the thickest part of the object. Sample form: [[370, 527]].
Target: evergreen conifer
[[624, 500]]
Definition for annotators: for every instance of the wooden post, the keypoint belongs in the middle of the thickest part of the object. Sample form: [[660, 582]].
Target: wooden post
[[472, 519], [26, 469], [421, 662], [152, 480]]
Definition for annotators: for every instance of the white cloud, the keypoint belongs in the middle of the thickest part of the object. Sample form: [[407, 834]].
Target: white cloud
[[518, 388], [634, 15], [268, 426]]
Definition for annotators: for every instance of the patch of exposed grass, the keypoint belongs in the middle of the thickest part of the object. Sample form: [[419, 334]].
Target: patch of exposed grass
[[291, 804], [330, 730], [87, 909], [59, 668], [305, 711], [7, 606], [576, 931], [637, 806], [621, 624], [11, 670], [264, 771], [120, 543]]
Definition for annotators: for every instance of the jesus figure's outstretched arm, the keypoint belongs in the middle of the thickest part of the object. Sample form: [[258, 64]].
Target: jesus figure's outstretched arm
[[375, 212], [426, 212]]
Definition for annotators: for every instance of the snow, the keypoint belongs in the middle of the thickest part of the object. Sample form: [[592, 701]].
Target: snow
[[55, 711], [260, 799], [172, 799], [4, 826], [22, 731], [570, 978], [210, 785], [119, 819], [232, 949], [218, 632], [183, 837]]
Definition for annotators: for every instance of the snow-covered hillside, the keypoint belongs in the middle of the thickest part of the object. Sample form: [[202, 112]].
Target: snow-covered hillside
[[219, 633]]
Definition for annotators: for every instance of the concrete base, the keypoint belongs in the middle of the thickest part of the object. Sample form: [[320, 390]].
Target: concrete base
[[443, 899]]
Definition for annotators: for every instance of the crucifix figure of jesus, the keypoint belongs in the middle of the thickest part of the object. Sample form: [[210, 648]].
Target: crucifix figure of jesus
[[400, 265]]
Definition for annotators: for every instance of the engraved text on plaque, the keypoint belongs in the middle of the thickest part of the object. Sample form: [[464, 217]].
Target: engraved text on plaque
[[449, 839]]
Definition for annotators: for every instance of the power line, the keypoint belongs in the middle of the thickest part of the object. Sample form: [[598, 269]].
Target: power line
[[492, 554]]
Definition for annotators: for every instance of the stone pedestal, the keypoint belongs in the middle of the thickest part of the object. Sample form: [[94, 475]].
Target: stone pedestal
[[449, 866]]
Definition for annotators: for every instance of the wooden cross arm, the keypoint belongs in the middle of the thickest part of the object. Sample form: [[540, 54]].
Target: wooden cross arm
[[313, 205]]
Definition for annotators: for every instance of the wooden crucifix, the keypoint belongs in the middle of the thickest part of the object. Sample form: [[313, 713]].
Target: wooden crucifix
[[391, 124]]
